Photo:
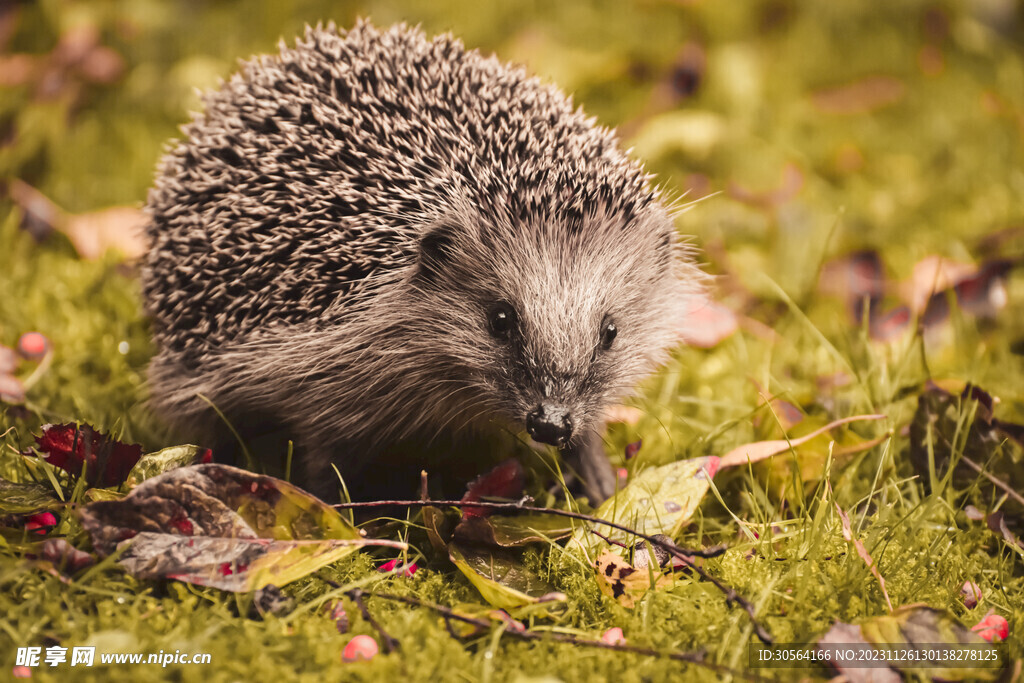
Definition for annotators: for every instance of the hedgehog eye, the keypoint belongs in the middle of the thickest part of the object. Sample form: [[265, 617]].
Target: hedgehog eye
[[501, 318], [608, 332]]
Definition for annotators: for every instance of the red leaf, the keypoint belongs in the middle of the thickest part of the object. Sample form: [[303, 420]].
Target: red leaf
[[890, 325], [396, 564], [858, 279], [64, 556], [107, 461], [971, 593], [8, 360], [504, 481], [633, 448]]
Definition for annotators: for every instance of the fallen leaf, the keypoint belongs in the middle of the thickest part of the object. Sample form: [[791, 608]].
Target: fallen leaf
[[11, 389], [860, 97], [789, 187], [239, 565], [396, 565], [119, 228], [92, 234], [620, 414], [658, 500], [438, 529], [918, 629], [27, 498], [939, 435], [861, 550], [632, 449], [64, 557], [71, 447], [971, 594], [981, 294], [153, 464], [842, 636], [8, 360], [931, 275], [707, 323], [501, 578], [504, 481], [858, 279], [623, 582], [220, 526], [512, 531], [761, 450]]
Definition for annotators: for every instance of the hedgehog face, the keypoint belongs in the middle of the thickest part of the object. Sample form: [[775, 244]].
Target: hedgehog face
[[553, 324]]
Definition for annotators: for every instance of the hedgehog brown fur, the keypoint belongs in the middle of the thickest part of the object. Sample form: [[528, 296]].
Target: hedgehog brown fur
[[384, 241]]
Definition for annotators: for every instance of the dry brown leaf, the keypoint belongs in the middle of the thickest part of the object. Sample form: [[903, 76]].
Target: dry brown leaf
[[623, 582], [860, 97], [790, 184], [621, 414], [932, 274], [92, 233], [861, 550], [118, 227], [707, 323], [762, 450]]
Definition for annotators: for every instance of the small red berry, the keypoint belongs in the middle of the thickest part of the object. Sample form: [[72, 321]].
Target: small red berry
[[33, 345], [360, 647], [41, 523], [614, 636], [992, 626]]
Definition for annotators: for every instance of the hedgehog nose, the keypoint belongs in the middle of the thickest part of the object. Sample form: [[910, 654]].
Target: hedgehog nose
[[549, 423]]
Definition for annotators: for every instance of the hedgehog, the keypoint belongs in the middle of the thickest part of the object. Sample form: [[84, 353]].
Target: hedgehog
[[388, 248]]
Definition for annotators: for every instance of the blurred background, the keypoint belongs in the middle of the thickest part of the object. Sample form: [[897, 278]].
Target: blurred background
[[831, 149]]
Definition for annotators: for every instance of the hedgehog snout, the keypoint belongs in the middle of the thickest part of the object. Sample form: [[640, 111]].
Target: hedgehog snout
[[550, 423]]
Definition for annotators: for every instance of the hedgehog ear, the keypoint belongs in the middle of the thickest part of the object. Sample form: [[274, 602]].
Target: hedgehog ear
[[436, 250]]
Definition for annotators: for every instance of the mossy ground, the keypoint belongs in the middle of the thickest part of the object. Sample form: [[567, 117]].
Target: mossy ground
[[932, 164]]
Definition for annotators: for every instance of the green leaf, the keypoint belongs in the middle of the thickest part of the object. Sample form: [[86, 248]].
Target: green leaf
[[27, 498], [658, 500], [153, 464], [512, 531], [501, 578]]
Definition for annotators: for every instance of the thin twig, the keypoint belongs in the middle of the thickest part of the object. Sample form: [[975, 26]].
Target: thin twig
[[731, 596], [995, 480], [449, 615], [609, 540], [356, 594]]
